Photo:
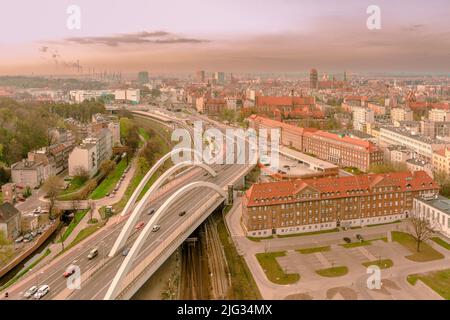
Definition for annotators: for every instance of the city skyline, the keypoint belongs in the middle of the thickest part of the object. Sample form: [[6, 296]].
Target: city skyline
[[229, 36]]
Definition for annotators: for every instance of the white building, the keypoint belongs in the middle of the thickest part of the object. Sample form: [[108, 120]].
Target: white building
[[91, 153], [422, 147], [439, 115], [362, 116], [84, 156], [79, 96], [131, 95], [436, 209]]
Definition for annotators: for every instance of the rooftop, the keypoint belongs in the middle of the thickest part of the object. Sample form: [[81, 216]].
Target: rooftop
[[441, 203], [7, 211]]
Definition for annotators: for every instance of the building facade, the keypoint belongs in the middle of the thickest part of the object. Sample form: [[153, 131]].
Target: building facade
[[287, 207], [436, 210], [10, 221]]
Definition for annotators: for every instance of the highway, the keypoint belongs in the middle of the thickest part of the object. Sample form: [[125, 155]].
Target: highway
[[95, 286]]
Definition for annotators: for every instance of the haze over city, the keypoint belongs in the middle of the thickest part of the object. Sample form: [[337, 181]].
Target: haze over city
[[234, 36]]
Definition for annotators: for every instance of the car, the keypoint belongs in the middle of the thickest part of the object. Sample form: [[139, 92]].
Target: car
[[140, 225], [42, 291], [359, 237], [347, 239], [182, 213], [125, 251], [92, 254], [107, 194], [111, 195], [151, 211], [156, 228], [30, 292], [19, 239], [34, 234], [69, 271]]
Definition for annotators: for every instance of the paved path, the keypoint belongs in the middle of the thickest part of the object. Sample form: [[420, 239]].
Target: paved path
[[394, 281]]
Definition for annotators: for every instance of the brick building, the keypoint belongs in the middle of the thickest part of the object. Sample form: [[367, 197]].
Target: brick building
[[341, 150], [298, 206]]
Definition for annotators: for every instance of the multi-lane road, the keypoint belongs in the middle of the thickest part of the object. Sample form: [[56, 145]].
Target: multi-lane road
[[95, 285]]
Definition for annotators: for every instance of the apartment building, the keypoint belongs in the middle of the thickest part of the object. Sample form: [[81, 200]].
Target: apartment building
[[304, 106], [362, 116], [10, 221], [436, 210], [287, 207], [433, 129], [339, 149], [422, 147], [29, 173], [439, 115], [91, 153], [401, 114], [210, 106], [441, 161]]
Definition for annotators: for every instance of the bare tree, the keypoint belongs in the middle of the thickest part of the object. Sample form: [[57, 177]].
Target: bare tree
[[421, 229], [52, 186]]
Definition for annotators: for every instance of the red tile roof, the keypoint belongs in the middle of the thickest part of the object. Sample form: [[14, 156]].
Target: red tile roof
[[286, 191], [283, 101]]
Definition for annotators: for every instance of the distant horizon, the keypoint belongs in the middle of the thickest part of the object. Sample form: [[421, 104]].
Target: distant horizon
[[250, 36]]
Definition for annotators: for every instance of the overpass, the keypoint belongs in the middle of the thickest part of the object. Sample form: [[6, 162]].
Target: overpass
[[151, 250]]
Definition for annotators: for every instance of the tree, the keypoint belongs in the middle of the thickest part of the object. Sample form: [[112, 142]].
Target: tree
[[107, 166], [421, 229], [81, 174], [52, 186]]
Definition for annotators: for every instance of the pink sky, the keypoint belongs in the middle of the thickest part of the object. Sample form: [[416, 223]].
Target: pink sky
[[232, 35]]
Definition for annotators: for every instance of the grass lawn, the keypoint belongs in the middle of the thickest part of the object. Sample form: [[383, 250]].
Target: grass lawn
[[110, 181], [243, 286], [382, 224], [441, 242], [24, 271], [353, 170], [75, 185], [1, 198], [83, 234], [426, 253], [76, 219], [356, 244], [273, 270], [256, 239], [308, 233], [361, 243], [313, 250], [144, 134], [333, 272], [439, 281], [382, 264]]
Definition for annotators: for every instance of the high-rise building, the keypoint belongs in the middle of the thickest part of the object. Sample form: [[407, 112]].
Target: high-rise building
[[219, 77], [143, 77], [200, 76], [314, 79]]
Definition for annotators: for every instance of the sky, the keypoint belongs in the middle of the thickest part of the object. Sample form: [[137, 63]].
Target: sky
[[227, 35]]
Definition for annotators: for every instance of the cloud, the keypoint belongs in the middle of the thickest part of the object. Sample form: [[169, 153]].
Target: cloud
[[144, 37]]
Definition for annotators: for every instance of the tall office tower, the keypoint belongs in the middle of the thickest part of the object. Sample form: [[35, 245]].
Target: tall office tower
[[313, 79], [200, 76], [219, 77], [143, 77]]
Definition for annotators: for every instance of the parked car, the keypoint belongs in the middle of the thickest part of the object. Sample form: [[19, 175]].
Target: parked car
[[30, 292], [151, 211], [69, 271], [156, 228], [182, 213], [19, 239], [347, 239], [140, 225], [125, 251], [42, 291], [34, 234], [359, 237]]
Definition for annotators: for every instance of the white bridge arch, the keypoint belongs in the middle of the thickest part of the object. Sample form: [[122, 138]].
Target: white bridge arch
[[114, 288], [137, 212], [150, 173]]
